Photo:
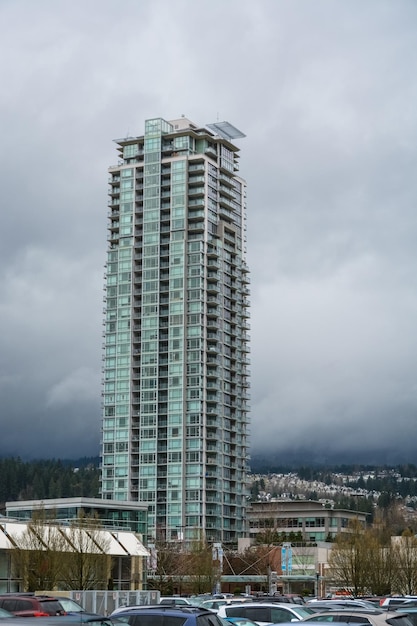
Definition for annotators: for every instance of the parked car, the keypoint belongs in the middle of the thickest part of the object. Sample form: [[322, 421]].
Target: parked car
[[391, 602], [28, 605], [58, 620], [165, 601], [266, 613], [215, 604], [295, 598], [174, 601], [165, 615], [275, 598], [371, 617], [410, 611], [333, 605]]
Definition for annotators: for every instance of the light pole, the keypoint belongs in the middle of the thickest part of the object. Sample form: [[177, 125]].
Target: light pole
[[317, 584]]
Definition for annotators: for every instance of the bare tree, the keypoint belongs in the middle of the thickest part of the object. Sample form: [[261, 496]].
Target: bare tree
[[86, 565], [379, 562], [37, 556], [347, 562], [168, 570], [405, 551], [184, 565], [203, 567]]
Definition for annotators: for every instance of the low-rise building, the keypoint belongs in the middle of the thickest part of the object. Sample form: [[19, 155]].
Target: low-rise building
[[122, 526], [122, 551], [301, 533], [307, 520], [115, 514]]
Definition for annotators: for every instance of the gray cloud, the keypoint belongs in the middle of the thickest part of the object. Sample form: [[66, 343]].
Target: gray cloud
[[325, 93]]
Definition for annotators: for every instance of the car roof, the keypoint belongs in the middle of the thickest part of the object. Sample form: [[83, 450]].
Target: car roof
[[174, 598], [284, 605], [317, 623], [352, 609], [166, 608], [328, 606], [27, 596], [385, 615]]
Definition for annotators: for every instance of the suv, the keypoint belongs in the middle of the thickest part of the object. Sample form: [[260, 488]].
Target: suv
[[165, 615], [392, 602], [28, 605], [335, 605], [366, 618]]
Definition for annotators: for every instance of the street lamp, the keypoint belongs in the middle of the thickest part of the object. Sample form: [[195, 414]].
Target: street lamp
[[317, 584]]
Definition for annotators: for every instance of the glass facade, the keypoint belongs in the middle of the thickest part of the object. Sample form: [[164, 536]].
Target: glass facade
[[176, 379], [110, 516]]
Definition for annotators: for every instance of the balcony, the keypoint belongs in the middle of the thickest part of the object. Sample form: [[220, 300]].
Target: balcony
[[212, 287], [196, 226], [196, 202], [195, 191], [196, 166], [211, 151], [196, 180], [229, 192], [167, 147]]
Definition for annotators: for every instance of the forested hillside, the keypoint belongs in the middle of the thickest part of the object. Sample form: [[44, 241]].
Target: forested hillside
[[42, 479], [34, 480]]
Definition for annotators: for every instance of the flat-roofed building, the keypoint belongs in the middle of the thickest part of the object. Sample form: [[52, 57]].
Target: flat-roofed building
[[306, 520], [114, 514]]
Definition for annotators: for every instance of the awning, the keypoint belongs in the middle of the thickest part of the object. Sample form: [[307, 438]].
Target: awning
[[99, 541], [10, 533], [130, 543]]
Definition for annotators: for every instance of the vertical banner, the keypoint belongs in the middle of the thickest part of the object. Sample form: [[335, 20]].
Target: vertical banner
[[286, 558]]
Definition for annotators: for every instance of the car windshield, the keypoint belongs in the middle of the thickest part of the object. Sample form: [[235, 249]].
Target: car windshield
[[70, 605], [52, 607], [402, 620], [302, 611]]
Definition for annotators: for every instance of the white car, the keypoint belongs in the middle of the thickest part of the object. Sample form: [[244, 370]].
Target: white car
[[174, 601], [264, 613], [215, 603]]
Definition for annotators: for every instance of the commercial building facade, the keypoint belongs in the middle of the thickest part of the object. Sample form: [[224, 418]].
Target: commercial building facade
[[303, 520], [175, 384], [127, 516], [123, 553]]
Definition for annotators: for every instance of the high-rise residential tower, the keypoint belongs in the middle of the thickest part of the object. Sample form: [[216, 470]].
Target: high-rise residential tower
[[175, 399]]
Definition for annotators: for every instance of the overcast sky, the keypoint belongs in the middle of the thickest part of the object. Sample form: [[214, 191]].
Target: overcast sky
[[326, 92]]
